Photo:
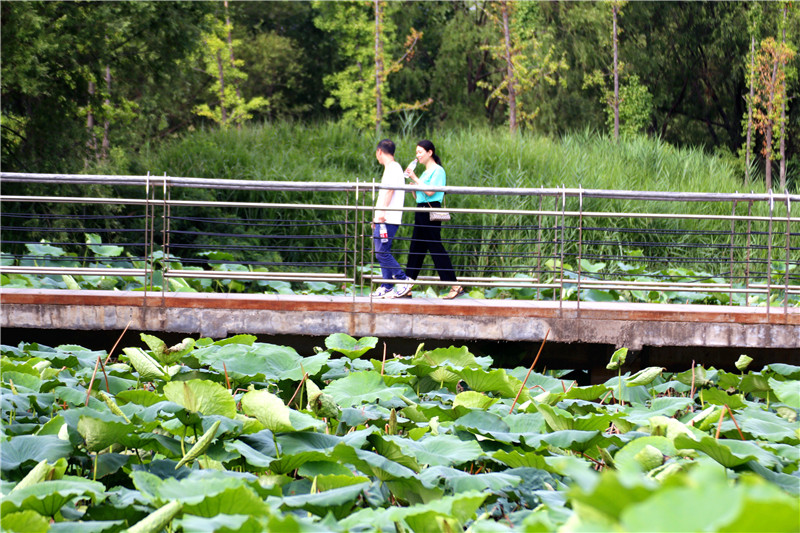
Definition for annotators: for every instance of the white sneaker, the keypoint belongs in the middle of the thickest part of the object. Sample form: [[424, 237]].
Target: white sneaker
[[401, 290], [382, 292]]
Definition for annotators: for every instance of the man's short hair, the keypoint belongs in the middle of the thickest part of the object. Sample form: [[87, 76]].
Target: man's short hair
[[386, 146]]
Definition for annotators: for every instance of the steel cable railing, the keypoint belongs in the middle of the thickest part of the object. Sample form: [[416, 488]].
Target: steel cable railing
[[647, 246]]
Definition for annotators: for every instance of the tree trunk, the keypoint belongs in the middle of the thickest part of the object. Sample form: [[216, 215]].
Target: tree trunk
[[224, 114], [228, 25], [510, 78], [770, 123], [614, 13], [782, 172], [378, 68], [91, 144], [106, 123], [750, 109]]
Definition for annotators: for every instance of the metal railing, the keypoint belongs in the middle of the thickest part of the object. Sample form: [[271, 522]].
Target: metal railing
[[535, 243]]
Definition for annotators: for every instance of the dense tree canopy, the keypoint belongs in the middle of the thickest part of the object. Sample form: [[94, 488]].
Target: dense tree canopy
[[89, 83]]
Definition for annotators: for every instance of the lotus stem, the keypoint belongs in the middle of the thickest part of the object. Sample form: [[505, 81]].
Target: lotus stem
[[529, 371], [119, 339], [719, 424], [741, 435]]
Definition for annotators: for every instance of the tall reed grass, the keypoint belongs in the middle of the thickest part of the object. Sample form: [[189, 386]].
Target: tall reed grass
[[472, 157]]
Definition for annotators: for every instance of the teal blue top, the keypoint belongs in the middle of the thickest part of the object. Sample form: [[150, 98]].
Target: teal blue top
[[436, 178]]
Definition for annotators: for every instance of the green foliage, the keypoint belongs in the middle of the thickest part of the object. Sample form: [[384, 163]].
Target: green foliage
[[352, 88], [220, 63], [533, 59], [397, 452]]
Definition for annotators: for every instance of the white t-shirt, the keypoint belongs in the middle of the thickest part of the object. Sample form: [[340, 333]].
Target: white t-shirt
[[392, 175]]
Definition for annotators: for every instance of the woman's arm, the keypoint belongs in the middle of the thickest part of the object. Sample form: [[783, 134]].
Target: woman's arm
[[419, 182]]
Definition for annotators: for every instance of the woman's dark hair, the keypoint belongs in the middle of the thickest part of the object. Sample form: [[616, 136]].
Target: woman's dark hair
[[428, 146]]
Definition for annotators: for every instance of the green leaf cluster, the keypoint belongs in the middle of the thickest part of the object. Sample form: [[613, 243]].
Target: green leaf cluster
[[238, 435]]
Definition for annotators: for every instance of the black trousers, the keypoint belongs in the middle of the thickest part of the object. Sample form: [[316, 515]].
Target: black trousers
[[427, 237]]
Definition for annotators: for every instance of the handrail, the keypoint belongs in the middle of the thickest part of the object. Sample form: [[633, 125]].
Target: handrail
[[297, 186]]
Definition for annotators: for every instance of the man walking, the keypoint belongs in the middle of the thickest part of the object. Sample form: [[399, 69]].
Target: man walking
[[386, 221]]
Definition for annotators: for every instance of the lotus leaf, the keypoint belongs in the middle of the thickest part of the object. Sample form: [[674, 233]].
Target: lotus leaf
[[268, 409], [338, 501], [473, 400], [363, 387], [609, 496], [25, 521], [785, 370], [246, 340], [764, 425], [45, 249], [461, 507], [517, 459], [147, 367], [644, 376], [571, 439], [32, 448], [787, 391], [452, 357], [617, 359], [95, 243], [100, 434], [221, 523], [371, 463], [251, 455], [392, 451], [496, 380], [460, 481], [663, 406], [719, 397], [442, 450], [201, 396], [260, 361], [48, 497], [348, 346], [139, 397], [694, 513], [715, 449]]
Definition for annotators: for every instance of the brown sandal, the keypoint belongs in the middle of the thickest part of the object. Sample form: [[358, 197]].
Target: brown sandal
[[456, 290]]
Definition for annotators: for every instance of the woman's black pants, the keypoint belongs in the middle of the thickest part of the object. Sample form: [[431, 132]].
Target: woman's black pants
[[427, 237]]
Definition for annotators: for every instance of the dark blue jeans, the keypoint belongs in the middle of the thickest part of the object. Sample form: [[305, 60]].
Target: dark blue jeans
[[390, 268]]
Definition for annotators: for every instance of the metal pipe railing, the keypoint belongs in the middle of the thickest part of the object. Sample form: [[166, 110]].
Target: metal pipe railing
[[569, 237]]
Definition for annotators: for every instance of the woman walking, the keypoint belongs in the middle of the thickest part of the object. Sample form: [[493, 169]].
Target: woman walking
[[427, 234]]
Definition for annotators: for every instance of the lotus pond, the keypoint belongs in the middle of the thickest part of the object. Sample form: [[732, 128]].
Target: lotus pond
[[238, 435]]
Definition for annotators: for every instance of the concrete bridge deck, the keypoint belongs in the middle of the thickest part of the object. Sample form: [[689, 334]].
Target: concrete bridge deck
[[664, 331]]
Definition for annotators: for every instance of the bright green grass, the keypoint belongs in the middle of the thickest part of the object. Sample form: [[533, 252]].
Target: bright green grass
[[481, 157]]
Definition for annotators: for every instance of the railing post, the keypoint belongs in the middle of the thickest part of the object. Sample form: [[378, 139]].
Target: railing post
[[563, 224], [747, 248], [538, 276], [358, 265], [345, 247], [580, 245], [147, 256], [769, 252], [788, 239], [555, 243], [733, 236], [164, 242]]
